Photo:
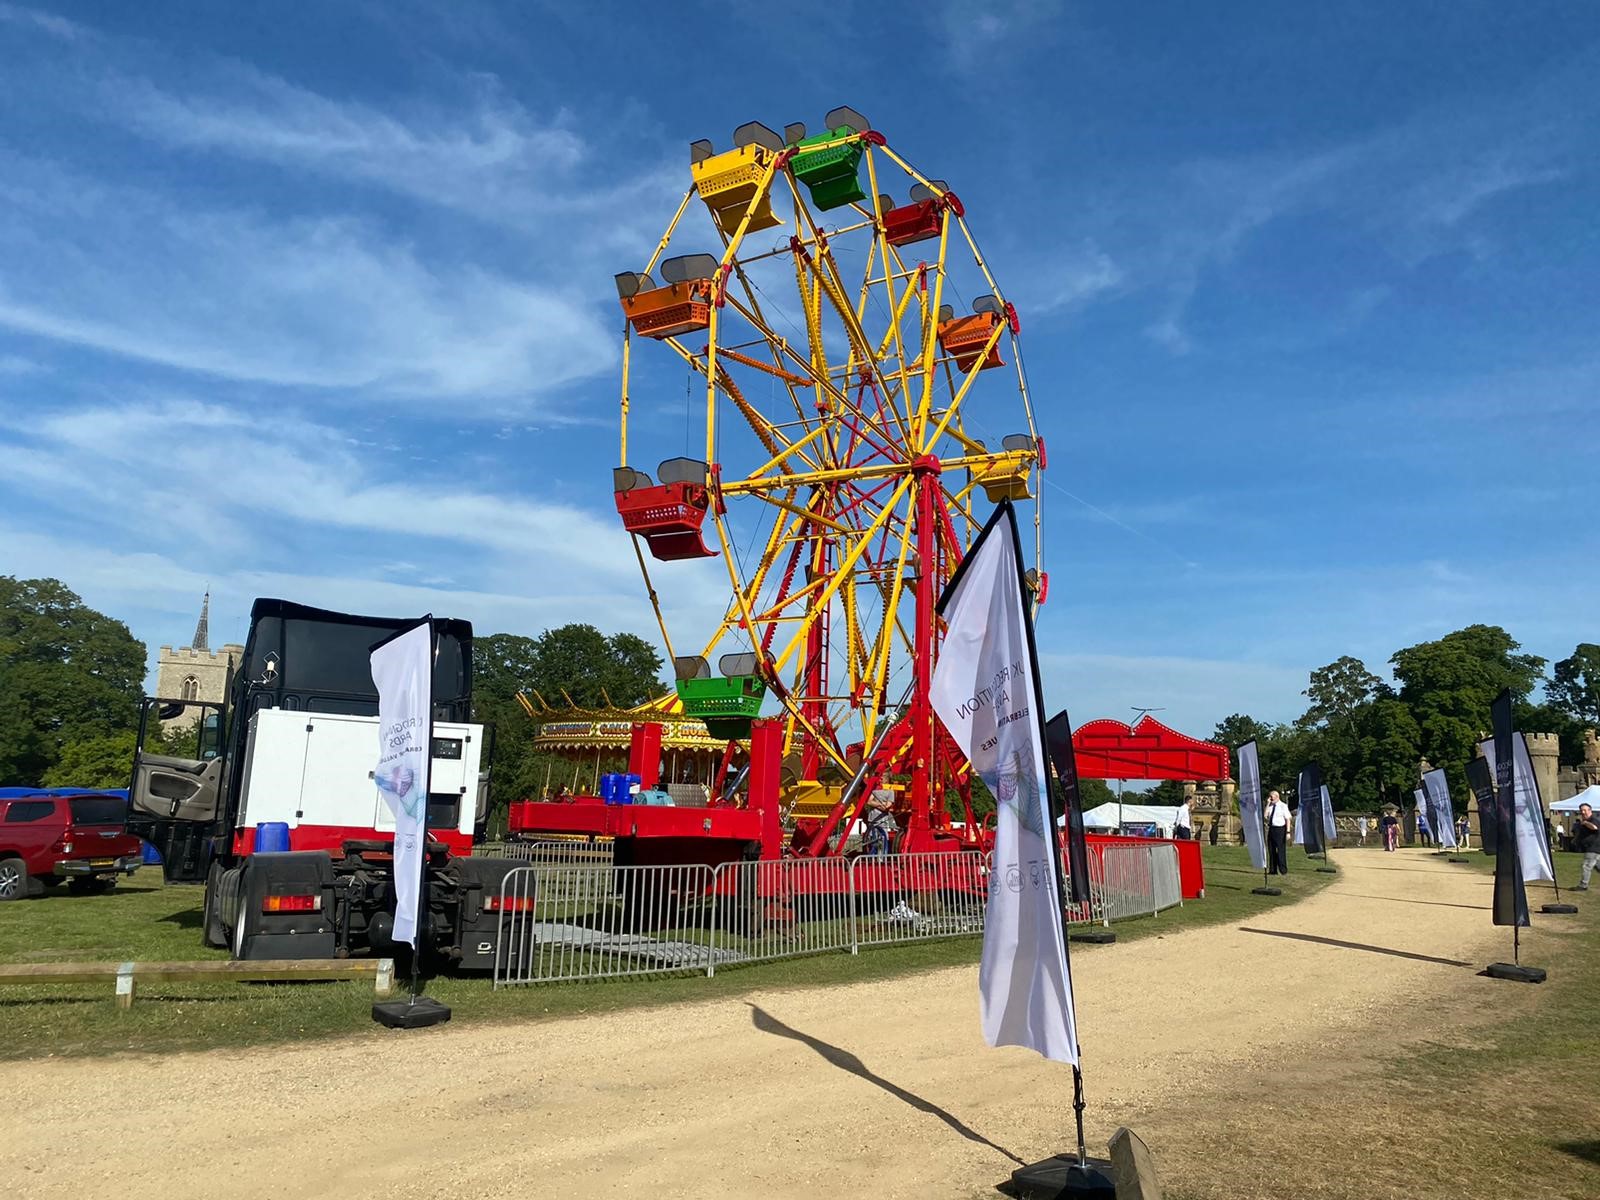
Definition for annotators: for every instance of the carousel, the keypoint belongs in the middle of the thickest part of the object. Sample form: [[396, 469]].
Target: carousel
[[599, 741]]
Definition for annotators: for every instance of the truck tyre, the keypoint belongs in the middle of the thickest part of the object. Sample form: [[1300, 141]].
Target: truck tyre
[[13, 879], [212, 932], [239, 915]]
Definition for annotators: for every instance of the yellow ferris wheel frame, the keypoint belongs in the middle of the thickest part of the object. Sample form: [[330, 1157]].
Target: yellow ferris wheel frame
[[916, 426]]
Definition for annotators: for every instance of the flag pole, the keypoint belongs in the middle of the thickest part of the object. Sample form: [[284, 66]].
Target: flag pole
[[417, 1010], [422, 828], [1078, 1102]]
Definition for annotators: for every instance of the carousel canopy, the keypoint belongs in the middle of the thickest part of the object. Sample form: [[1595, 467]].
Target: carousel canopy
[[611, 728]]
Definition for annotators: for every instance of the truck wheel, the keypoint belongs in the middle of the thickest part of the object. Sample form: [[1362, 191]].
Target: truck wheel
[[13, 879], [212, 933], [242, 899]]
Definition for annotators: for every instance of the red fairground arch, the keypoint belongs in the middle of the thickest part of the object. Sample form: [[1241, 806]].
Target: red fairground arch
[[1110, 749]]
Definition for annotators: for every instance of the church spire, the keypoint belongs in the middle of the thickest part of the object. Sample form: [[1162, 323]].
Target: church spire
[[201, 633]]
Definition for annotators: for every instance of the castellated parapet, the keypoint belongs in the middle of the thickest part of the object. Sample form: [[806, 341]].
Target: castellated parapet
[[1544, 754], [189, 674]]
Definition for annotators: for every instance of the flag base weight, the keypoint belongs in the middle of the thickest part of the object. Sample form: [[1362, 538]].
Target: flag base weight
[[1062, 1176], [1558, 908], [1327, 870], [1516, 974], [417, 1012], [1094, 937], [1266, 891], [1455, 858]]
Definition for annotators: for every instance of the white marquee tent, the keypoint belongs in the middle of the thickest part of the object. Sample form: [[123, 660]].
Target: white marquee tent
[[1590, 796], [1162, 816]]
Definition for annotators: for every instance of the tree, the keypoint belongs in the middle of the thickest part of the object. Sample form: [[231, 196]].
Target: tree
[[67, 673], [1238, 729], [1448, 686], [1168, 793], [580, 662], [1390, 747], [1338, 690], [1574, 687], [96, 762], [575, 661], [1092, 793]]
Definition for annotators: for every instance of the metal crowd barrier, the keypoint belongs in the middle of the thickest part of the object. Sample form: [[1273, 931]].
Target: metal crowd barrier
[[769, 910], [583, 922], [916, 897], [572, 920], [1138, 880], [574, 853]]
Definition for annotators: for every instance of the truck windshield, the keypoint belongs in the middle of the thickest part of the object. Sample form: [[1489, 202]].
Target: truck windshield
[[98, 810]]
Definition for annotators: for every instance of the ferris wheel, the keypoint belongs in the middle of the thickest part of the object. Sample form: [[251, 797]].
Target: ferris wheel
[[852, 400]]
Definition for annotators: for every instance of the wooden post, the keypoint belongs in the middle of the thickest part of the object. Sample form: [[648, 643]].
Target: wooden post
[[125, 985]]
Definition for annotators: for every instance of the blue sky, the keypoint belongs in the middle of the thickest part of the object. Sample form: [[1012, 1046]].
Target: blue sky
[[318, 304]]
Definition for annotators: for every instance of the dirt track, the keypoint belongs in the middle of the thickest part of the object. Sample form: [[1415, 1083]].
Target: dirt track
[[881, 1089]]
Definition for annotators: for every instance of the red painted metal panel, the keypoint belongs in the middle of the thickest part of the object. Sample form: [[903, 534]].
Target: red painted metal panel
[[644, 753], [333, 837], [529, 818], [1191, 872], [1110, 749]]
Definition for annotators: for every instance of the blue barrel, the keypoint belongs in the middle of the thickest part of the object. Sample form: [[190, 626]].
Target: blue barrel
[[149, 855], [629, 782], [608, 788], [272, 837]]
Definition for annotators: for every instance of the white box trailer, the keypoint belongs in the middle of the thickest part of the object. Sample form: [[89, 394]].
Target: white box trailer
[[312, 771]]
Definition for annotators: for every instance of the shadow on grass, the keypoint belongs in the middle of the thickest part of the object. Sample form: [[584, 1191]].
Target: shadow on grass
[[188, 918], [765, 1022], [1589, 1152], [1341, 945]]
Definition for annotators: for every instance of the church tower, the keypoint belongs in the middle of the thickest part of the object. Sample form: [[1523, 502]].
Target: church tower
[[195, 671]]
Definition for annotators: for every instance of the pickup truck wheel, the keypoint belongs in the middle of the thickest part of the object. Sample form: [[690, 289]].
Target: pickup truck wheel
[[13, 879]]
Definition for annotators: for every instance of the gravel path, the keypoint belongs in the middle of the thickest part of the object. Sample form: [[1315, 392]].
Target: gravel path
[[881, 1089]]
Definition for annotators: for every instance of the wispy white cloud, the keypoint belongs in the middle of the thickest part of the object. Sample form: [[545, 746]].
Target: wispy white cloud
[[1423, 186], [35, 20], [1069, 277], [320, 302], [972, 35], [272, 503]]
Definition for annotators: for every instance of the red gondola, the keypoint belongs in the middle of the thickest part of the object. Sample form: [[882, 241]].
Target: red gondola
[[669, 514]]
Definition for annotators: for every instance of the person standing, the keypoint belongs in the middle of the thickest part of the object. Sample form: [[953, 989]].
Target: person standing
[[1390, 824], [1586, 840], [1278, 824], [1361, 828], [1181, 829]]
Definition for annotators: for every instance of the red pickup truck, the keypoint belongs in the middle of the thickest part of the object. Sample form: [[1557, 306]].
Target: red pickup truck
[[80, 840]]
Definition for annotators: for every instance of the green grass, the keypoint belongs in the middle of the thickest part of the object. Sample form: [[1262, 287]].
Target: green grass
[[144, 921]]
